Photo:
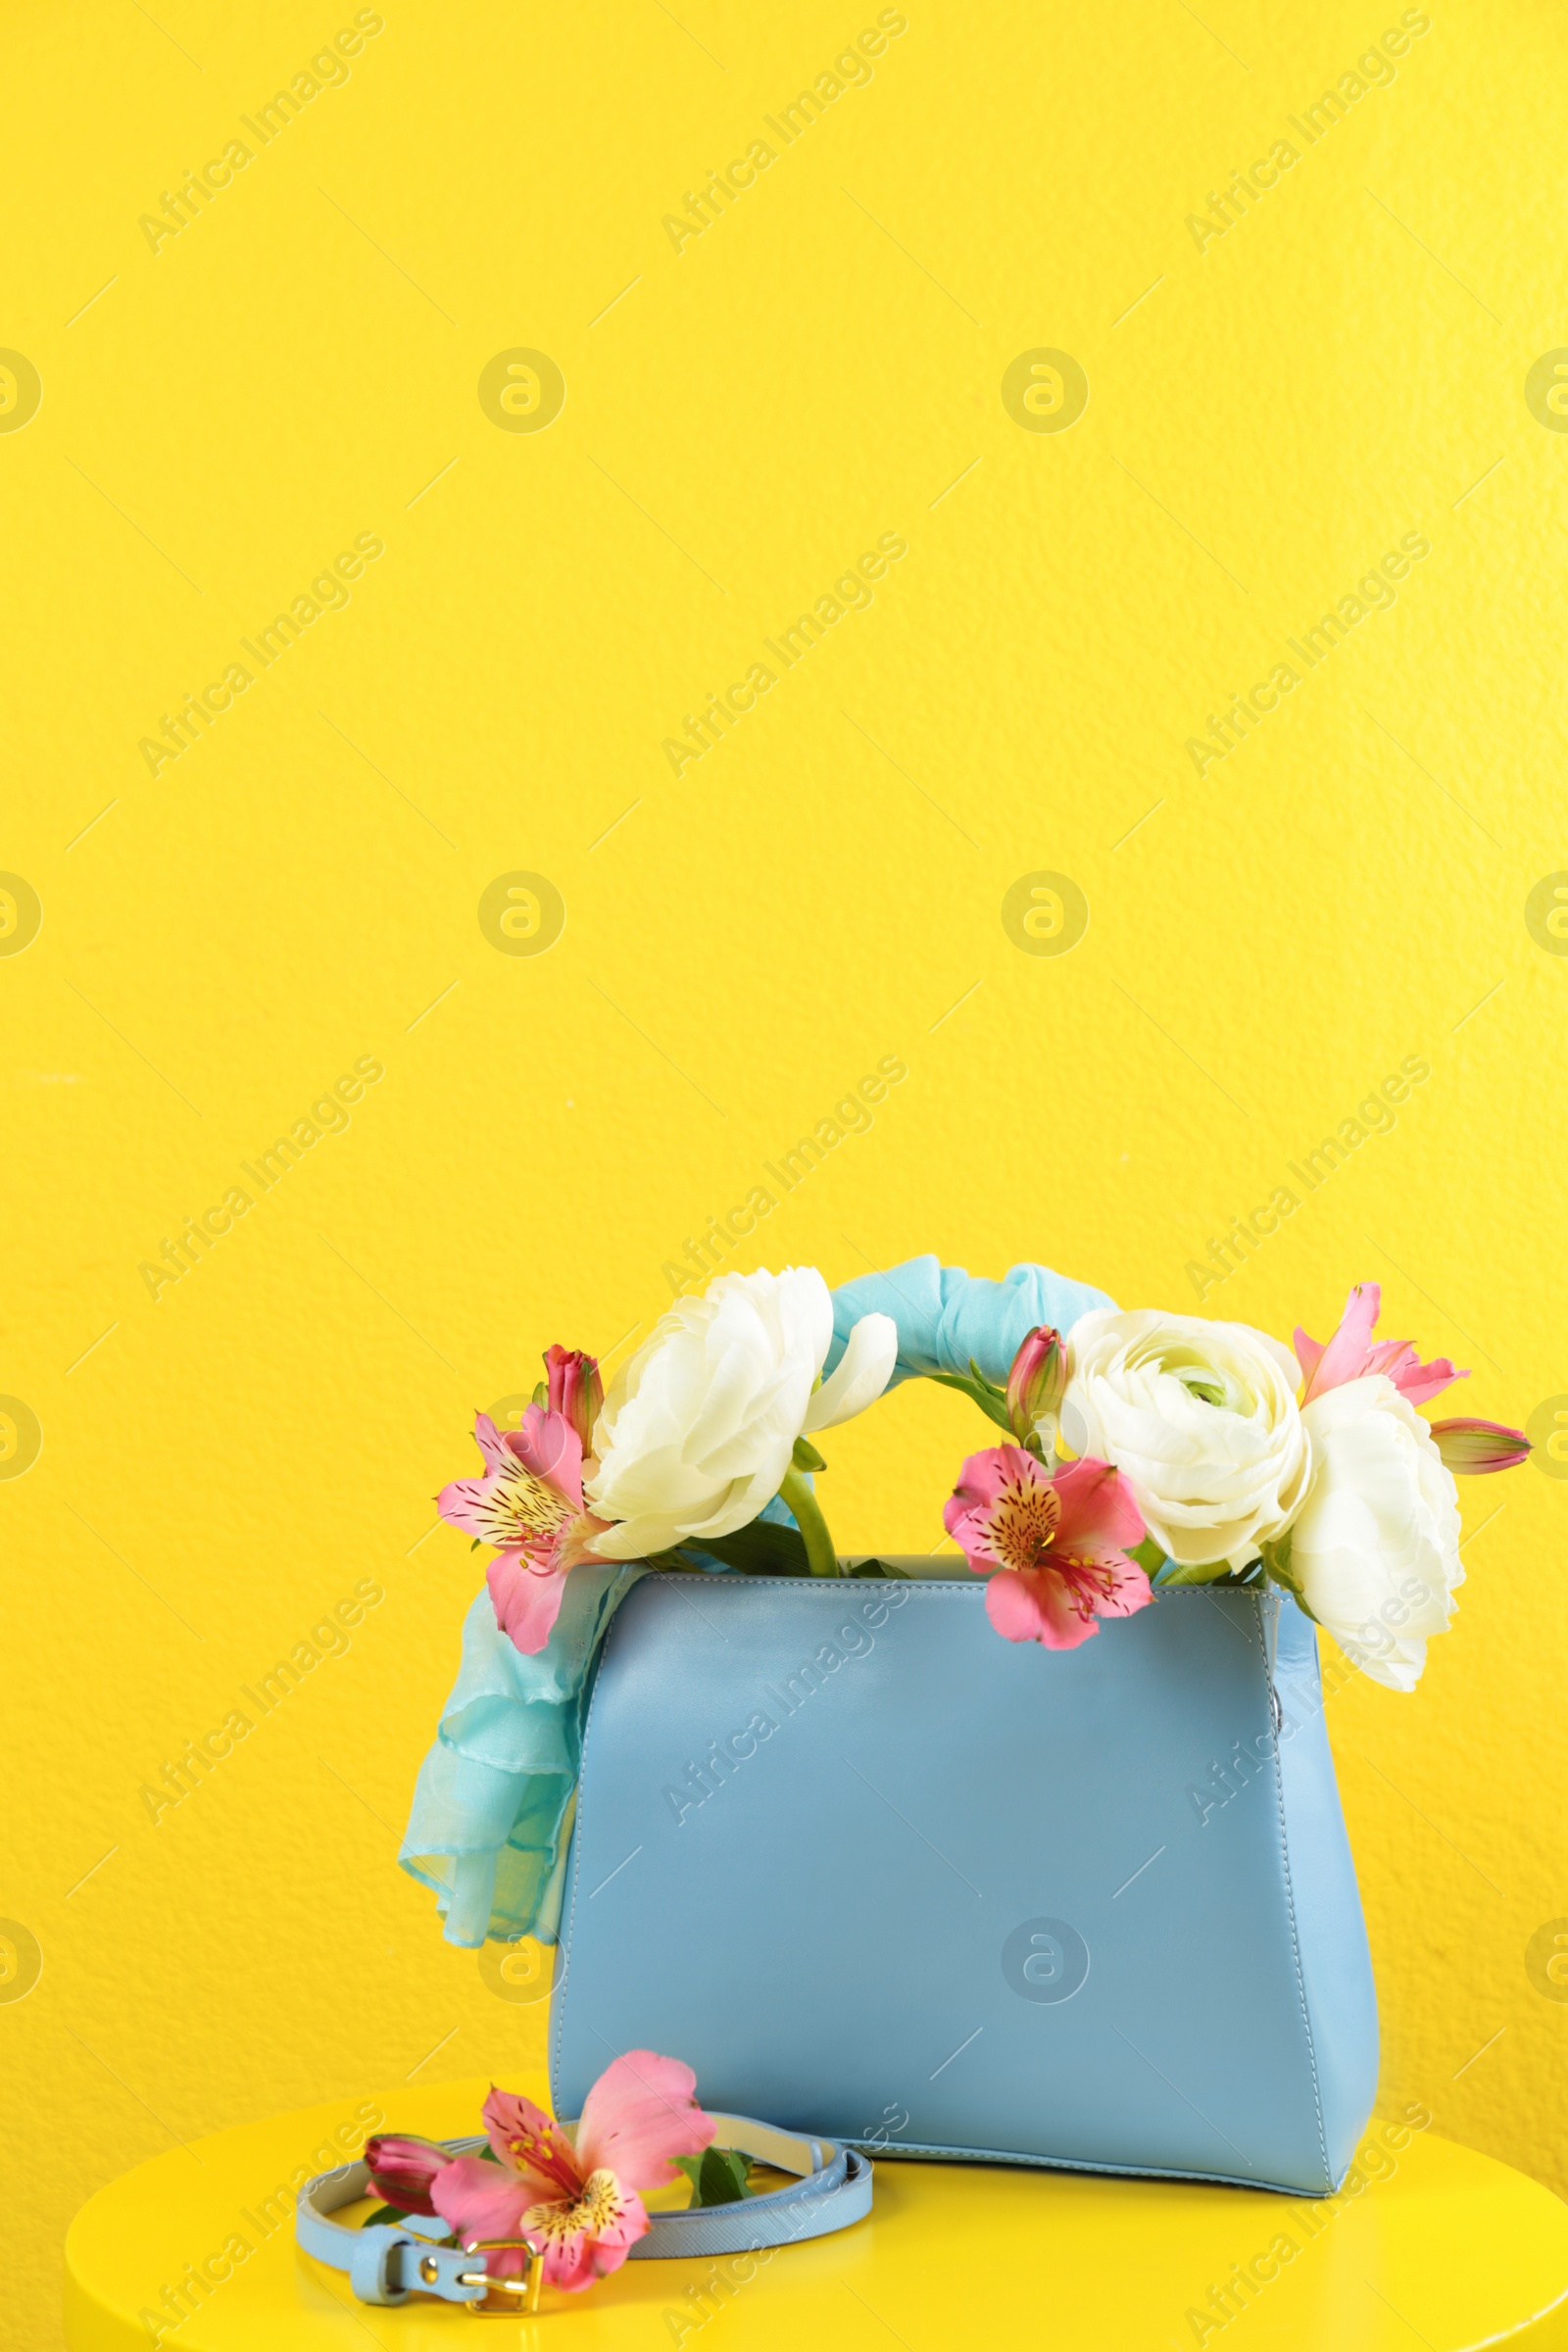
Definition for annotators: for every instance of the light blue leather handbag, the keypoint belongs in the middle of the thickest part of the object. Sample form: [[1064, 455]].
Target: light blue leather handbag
[[884, 1878], [878, 1875]]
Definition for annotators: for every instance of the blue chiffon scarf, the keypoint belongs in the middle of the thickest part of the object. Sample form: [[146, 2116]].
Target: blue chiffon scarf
[[491, 1819]]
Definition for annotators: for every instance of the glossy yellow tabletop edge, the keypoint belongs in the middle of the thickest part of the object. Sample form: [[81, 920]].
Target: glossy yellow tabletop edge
[[1427, 2242]]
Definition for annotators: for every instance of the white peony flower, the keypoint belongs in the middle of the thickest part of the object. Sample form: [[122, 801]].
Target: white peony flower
[[1376, 1548], [698, 1426], [1200, 1419]]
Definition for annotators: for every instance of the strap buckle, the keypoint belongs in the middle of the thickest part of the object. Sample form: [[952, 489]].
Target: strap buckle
[[504, 2295]]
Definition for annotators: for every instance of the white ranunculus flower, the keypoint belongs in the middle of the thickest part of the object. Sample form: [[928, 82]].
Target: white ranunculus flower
[[1200, 1419], [1376, 1548], [698, 1426]]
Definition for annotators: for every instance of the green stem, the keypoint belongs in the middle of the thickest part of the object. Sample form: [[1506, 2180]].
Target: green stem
[[819, 1551]]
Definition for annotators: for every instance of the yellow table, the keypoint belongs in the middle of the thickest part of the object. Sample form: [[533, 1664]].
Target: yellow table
[[1429, 2244]]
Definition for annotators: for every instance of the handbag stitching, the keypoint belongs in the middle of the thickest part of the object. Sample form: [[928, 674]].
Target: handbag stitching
[[913, 1587], [1290, 1913], [1256, 1635], [557, 2010]]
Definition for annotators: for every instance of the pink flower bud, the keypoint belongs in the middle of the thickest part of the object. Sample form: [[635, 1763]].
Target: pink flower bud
[[1476, 1447], [402, 2169], [1037, 1384], [575, 1389]]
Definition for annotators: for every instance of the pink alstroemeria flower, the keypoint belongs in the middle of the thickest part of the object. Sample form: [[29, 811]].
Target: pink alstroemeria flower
[[1474, 1447], [1036, 1385], [1054, 1548], [530, 1503], [577, 2201], [402, 2168], [574, 1390], [1353, 1353]]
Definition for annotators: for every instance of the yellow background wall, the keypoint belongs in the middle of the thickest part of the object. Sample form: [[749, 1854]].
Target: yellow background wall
[[299, 890]]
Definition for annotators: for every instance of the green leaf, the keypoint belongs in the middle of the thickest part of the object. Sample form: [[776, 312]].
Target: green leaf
[[806, 1455], [383, 2212], [761, 1550], [1277, 1566], [992, 1401], [1206, 1572], [724, 2175], [718, 2176], [1276, 1558], [541, 1393], [1149, 1556], [878, 1568]]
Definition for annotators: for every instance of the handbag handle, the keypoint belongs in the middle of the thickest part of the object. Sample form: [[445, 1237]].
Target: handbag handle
[[947, 1318]]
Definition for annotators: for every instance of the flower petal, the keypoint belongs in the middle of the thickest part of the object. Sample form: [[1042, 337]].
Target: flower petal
[[1037, 1381], [1475, 1448], [697, 1427], [1097, 1507], [402, 2169], [1033, 1605], [469, 1503], [1124, 1589], [639, 2114], [1419, 1382], [863, 1371], [994, 1491], [532, 2143], [1353, 1354], [480, 2199], [1200, 1418], [1041, 1605], [507, 1507], [1375, 1548], [490, 1442], [547, 1444], [1344, 1356], [987, 1474], [573, 1387], [576, 2257], [526, 1598]]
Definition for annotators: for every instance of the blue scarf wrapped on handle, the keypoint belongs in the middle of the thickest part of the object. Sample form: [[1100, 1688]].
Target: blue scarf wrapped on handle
[[492, 1813], [945, 1317]]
